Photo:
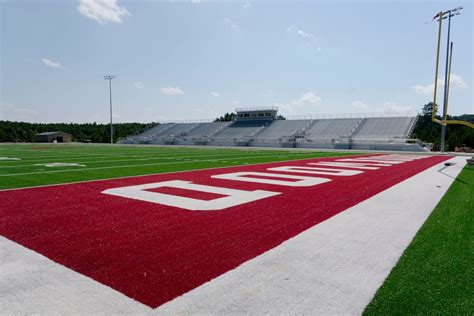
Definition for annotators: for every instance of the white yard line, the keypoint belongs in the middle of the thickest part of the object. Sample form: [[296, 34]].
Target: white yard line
[[153, 174], [334, 267], [83, 155], [152, 164], [84, 161], [56, 154], [140, 165]]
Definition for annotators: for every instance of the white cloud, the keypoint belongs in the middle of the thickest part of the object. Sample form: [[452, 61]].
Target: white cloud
[[216, 94], [102, 11], [456, 82], [246, 5], [308, 98], [360, 105], [303, 34], [307, 102], [195, 1], [428, 89], [230, 23], [50, 63], [394, 107], [138, 85], [172, 91], [386, 107]]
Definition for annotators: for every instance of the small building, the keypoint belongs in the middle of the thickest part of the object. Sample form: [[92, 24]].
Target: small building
[[52, 137]]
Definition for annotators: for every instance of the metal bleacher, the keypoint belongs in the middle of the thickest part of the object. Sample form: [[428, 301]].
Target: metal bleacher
[[384, 127], [204, 133], [156, 130], [205, 129], [254, 127], [331, 128], [281, 128], [234, 134]]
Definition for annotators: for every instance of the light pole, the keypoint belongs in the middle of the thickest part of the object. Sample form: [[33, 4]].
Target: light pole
[[448, 14], [110, 78]]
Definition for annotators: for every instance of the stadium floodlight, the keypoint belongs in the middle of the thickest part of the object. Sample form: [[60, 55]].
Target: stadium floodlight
[[442, 16], [110, 78], [446, 83]]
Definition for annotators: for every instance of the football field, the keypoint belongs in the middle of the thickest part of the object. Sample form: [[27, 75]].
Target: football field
[[180, 230]]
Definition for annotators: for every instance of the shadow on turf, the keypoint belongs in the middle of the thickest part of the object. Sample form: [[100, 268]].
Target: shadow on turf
[[455, 179]]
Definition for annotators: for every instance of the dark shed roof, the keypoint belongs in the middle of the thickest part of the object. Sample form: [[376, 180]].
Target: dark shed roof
[[52, 133]]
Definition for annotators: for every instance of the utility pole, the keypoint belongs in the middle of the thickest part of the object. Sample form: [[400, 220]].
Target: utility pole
[[110, 78], [448, 14]]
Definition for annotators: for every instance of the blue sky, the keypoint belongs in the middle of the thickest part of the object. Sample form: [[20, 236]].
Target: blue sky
[[199, 59]]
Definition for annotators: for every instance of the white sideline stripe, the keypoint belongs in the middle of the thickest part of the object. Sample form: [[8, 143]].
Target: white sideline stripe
[[31, 283], [334, 267]]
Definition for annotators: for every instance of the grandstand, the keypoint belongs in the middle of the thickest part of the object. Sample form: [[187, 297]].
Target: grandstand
[[385, 127], [260, 127]]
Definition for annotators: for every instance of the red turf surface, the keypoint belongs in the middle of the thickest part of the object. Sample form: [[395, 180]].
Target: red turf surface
[[153, 253]]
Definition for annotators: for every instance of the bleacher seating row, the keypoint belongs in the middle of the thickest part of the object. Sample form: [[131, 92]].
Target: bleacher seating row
[[391, 133]]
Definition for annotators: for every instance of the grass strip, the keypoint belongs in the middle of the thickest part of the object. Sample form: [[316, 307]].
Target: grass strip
[[435, 274]]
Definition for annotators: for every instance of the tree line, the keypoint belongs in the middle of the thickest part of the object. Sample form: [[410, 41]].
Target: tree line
[[231, 116], [430, 132], [425, 130], [87, 132]]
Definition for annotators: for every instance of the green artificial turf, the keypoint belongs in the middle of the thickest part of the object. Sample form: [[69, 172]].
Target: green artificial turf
[[106, 161], [435, 275]]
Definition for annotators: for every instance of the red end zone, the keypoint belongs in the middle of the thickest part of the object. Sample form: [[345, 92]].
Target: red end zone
[[156, 242]]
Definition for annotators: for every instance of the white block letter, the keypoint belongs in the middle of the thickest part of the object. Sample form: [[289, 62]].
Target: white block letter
[[232, 197], [350, 165], [244, 176], [317, 170]]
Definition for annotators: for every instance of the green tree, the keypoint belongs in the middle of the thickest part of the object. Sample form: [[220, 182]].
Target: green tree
[[226, 118]]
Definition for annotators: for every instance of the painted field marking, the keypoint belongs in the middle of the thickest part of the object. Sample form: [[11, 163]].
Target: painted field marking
[[9, 158], [232, 197], [333, 268], [96, 161], [135, 166], [317, 170], [351, 165], [247, 177], [160, 173], [98, 156], [141, 159], [79, 153], [60, 164], [178, 249], [138, 192]]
